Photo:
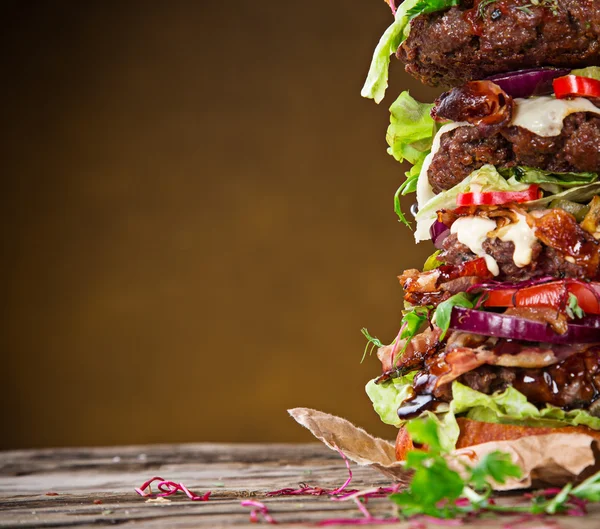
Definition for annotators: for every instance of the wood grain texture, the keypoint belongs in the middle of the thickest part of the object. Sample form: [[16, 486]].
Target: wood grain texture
[[82, 478]]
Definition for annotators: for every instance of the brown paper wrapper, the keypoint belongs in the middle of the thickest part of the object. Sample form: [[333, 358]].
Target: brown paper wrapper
[[546, 460]]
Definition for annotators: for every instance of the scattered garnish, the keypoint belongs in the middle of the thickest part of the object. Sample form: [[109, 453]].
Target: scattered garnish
[[168, 488], [258, 508], [444, 310], [372, 343], [306, 490]]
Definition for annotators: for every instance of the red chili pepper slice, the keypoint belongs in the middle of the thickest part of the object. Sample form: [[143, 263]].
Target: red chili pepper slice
[[498, 197], [576, 86]]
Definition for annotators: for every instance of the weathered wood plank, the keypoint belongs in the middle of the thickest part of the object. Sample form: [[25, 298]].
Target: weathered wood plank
[[95, 486]]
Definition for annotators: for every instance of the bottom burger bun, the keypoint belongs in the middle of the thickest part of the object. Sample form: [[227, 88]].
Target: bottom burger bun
[[477, 432]]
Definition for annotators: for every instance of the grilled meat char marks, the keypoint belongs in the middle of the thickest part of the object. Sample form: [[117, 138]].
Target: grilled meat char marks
[[465, 149], [473, 41]]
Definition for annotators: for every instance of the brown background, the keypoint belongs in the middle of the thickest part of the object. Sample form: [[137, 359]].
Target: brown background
[[197, 219]]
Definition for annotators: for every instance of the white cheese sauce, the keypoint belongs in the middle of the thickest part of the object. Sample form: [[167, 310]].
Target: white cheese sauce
[[544, 115], [472, 232], [521, 235]]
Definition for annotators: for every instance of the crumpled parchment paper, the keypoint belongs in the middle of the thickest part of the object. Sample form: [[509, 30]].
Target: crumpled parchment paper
[[546, 460]]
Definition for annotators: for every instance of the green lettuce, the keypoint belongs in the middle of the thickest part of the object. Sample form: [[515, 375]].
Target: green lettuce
[[388, 397], [593, 72], [433, 261], [581, 194], [531, 175], [409, 136], [411, 130], [512, 407], [506, 407], [377, 78]]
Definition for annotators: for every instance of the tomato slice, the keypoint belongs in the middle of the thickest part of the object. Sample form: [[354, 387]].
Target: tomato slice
[[476, 267], [576, 86], [554, 295], [498, 197]]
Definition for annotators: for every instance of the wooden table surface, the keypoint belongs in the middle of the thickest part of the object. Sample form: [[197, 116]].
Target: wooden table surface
[[87, 487]]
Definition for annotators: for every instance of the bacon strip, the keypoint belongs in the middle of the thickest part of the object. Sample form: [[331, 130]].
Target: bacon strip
[[459, 360], [481, 103], [420, 347]]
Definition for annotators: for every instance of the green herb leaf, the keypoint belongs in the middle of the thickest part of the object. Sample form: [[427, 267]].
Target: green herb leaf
[[398, 207], [430, 6], [573, 308], [495, 465], [412, 321], [425, 431], [444, 310], [588, 489], [372, 343]]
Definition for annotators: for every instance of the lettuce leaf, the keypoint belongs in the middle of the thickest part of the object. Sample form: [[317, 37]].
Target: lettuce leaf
[[507, 407], [409, 136], [411, 130], [387, 398], [531, 175], [377, 78], [593, 72], [581, 194]]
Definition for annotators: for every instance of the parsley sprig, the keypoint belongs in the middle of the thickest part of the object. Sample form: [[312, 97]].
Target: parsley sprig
[[440, 491]]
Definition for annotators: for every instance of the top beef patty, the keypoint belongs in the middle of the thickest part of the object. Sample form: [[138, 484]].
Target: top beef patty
[[478, 39]]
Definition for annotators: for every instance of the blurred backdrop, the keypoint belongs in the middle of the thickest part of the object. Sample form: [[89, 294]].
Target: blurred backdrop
[[197, 219]]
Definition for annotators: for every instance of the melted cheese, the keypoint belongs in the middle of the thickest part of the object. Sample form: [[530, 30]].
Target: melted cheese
[[544, 115], [472, 232], [521, 235]]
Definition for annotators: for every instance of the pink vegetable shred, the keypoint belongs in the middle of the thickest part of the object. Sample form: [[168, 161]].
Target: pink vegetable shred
[[168, 488]]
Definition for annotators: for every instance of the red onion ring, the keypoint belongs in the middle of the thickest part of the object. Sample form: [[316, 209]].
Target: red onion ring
[[526, 83], [501, 326]]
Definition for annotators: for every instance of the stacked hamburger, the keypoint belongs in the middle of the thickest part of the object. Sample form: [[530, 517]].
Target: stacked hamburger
[[500, 336]]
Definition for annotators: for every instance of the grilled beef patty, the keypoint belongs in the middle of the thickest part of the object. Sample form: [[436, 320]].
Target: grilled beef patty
[[473, 41], [465, 149], [545, 261]]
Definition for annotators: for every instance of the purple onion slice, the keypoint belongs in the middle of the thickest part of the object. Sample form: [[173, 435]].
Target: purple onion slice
[[438, 231], [525, 83], [501, 326]]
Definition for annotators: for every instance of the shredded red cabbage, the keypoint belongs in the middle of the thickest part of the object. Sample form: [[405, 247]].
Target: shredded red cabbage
[[258, 508], [305, 490], [168, 488], [357, 521], [439, 521]]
